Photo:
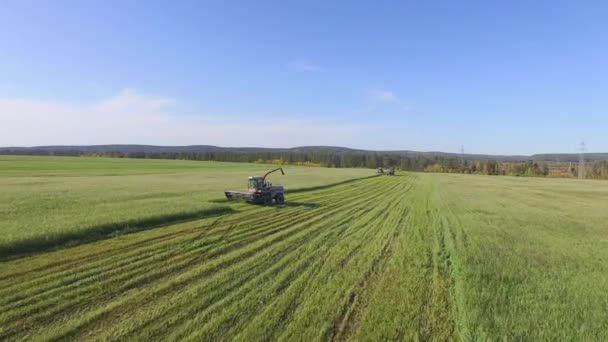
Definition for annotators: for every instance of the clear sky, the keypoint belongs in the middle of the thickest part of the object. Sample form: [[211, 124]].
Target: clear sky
[[505, 77]]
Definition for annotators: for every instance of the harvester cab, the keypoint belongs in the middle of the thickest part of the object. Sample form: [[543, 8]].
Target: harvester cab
[[256, 183], [259, 191]]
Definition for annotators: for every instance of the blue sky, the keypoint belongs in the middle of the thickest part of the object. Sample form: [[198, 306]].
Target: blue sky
[[505, 77]]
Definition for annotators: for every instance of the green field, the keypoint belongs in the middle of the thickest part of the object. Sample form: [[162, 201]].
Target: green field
[[47, 201], [414, 256]]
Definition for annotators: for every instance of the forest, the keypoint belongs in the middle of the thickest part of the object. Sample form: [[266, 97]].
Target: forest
[[346, 158]]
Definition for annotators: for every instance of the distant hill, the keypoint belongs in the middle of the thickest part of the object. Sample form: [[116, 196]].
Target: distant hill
[[132, 149], [84, 149], [569, 157]]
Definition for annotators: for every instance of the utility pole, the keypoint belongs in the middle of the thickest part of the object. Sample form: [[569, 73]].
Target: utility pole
[[581, 161], [462, 157]]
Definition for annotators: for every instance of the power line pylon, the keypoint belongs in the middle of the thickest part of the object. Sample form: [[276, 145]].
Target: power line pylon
[[462, 165], [581, 161]]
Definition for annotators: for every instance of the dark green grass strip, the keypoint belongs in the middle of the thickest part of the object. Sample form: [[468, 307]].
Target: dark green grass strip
[[327, 186], [22, 248]]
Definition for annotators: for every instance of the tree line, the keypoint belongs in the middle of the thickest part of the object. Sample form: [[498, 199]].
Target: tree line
[[368, 159]]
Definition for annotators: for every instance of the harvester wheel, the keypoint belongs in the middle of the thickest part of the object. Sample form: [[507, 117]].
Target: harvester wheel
[[279, 199], [267, 200]]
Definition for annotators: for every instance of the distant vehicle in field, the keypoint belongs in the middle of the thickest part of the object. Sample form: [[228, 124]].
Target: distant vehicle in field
[[388, 172], [259, 191]]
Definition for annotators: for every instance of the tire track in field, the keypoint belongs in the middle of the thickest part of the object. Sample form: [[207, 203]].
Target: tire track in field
[[346, 310], [362, 226], [414, 275], [213, 294], [284, 306], [307, 240], [347, 290], [294, 271], [343, 324], [438, 302], [452, 240], [286, 313]]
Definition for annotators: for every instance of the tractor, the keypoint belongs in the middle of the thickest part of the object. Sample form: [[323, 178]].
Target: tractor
[[388, 172], [259, 191]]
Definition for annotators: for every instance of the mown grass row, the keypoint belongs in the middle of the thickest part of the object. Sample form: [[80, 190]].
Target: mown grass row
[[323, 268]]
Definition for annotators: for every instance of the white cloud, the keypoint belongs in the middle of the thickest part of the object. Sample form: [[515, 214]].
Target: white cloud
[[301, 65], [379, 98], [382, 95], [130, 117], [407, 108]]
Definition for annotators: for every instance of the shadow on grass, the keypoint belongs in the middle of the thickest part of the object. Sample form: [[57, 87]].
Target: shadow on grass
[[68, 239], [327, 186], [288, 204], [221, 200]]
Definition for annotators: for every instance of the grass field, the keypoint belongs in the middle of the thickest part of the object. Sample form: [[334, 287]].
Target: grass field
[[47, 201], [414, 256]]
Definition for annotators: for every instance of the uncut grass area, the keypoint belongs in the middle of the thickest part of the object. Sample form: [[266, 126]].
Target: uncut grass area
[[409, 257], [46, 201], [531, 256]]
